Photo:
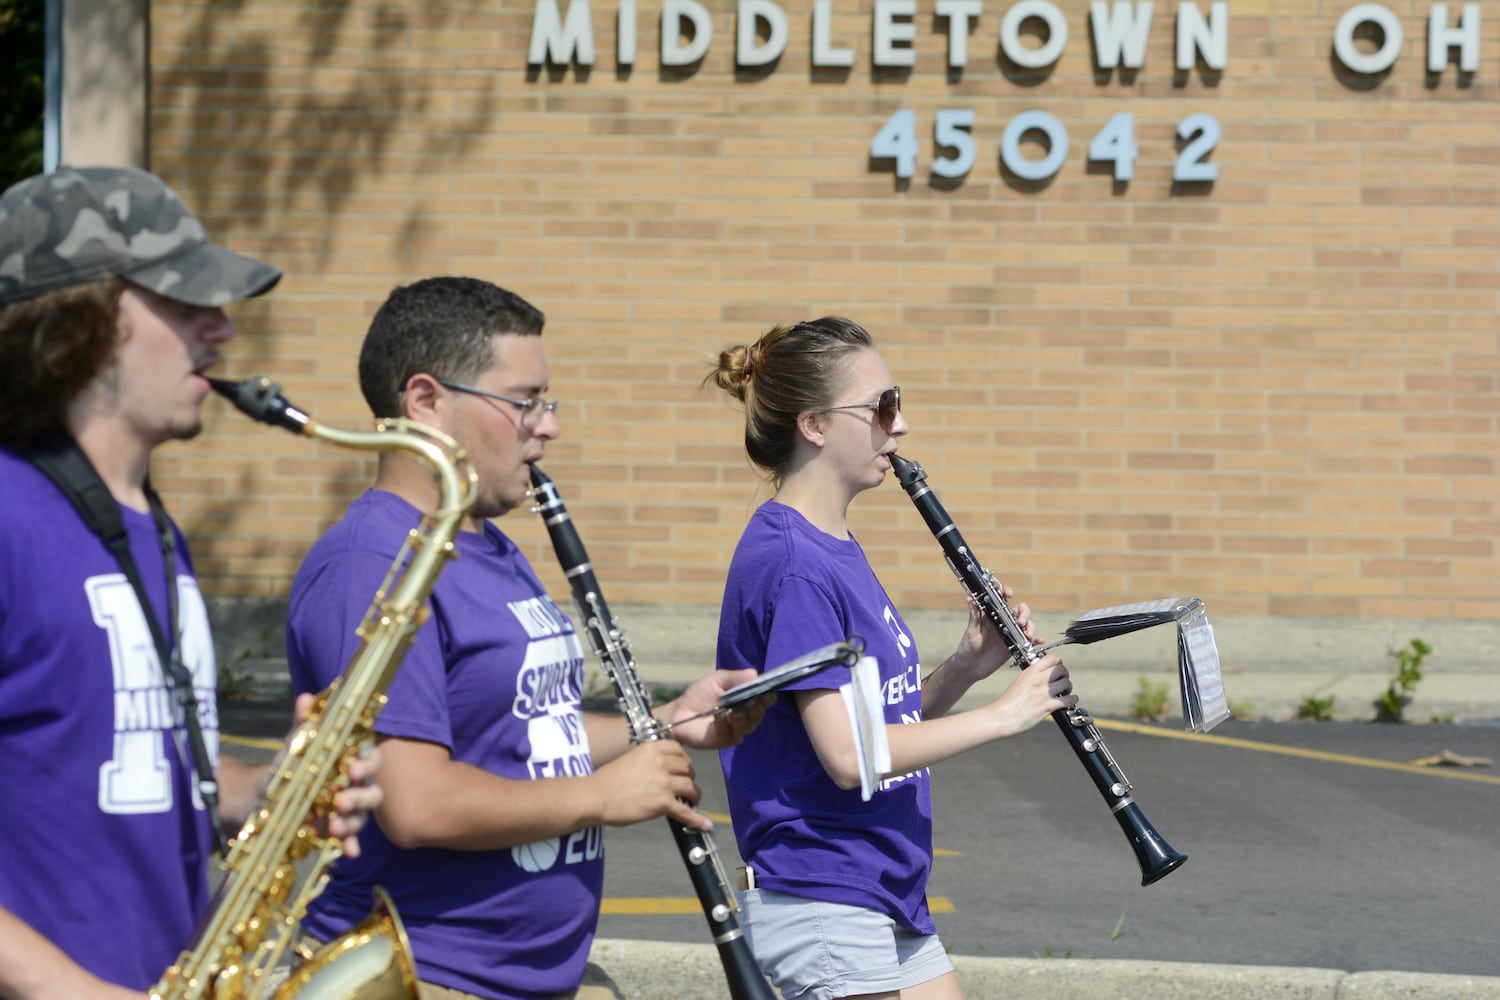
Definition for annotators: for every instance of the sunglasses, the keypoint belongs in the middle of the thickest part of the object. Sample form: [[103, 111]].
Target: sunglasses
[[886, 406]]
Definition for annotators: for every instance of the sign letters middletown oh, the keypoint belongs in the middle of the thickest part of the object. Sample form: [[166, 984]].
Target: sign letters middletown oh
[[1367, 41]]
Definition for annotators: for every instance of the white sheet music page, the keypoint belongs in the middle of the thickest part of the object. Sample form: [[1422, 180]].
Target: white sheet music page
[[867, 718], [1121, 610], [1204, 705]]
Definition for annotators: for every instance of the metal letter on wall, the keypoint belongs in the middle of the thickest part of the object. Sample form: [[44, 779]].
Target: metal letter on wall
[[673, 51], [1043, 55], [1120, 33], [1209, 38], [560, 41], [887, 31], [748, 51], [1441, 38], [1349, 54]]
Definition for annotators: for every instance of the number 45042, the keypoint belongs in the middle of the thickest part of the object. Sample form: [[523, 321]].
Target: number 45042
[[952, 130]]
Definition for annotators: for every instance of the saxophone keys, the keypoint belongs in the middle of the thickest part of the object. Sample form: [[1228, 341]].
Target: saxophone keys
[[301, 844], [230, 981], [252, 933], [283, 880]]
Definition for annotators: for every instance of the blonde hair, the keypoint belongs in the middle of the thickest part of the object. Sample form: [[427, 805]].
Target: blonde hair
[[794, 368]]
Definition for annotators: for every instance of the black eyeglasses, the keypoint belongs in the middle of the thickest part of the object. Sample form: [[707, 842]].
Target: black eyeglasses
[[886, 406], [532, 408]]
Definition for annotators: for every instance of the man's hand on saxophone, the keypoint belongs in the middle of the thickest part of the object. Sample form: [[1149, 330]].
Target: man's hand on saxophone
[[242, 787], [353, 805]]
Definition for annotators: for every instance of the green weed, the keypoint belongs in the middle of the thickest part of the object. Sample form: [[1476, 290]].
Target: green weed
[[1315, 709], [1243, 709], [1150, 700], [1392, 702]]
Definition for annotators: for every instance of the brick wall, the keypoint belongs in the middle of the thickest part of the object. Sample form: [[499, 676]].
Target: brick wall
[[1277, 391]]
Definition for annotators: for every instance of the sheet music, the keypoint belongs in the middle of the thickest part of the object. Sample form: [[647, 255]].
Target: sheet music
[[1204, 704], [1168, 605], [867, 718]]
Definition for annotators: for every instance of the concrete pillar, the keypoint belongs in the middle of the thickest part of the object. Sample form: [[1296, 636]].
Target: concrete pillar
[[105, 76]]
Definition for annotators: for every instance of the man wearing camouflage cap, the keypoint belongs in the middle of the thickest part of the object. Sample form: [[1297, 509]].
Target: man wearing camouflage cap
[[111, 299]]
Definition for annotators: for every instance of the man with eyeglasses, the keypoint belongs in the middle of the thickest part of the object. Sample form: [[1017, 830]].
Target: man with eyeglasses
[[497, 785]]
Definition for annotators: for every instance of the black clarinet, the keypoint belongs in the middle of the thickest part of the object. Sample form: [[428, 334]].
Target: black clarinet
[[614, 651], [1156, 857]]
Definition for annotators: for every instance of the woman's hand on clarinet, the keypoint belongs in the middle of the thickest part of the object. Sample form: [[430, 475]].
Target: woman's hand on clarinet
[[1037, 692], [982, 650]]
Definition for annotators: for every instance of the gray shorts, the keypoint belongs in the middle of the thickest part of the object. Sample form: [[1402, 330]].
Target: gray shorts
[[818, 951]]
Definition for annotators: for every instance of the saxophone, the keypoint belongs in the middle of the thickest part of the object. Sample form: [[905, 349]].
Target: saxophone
[[278, 862]]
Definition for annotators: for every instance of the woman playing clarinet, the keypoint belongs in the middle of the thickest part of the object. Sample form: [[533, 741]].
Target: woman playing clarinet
[[835, 903]]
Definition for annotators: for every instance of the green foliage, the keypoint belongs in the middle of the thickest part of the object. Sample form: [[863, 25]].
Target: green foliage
[[236, 682], [22, 89], [1114, 935], [1242, 709], [1150, 700], [1398, 693], [1316, 709]]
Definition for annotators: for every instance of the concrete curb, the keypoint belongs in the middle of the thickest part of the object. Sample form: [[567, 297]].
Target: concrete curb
[[659, 970]]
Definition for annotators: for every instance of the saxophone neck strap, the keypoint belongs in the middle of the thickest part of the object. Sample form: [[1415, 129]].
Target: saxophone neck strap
[[61, 460]]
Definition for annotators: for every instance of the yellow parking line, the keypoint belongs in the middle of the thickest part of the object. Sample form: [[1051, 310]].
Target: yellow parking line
[[636, 906], [1335, 758], [248, 741], [648, 905]]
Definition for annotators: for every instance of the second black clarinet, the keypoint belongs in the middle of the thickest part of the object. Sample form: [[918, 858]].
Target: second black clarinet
[[1155, 856], [609, 643]]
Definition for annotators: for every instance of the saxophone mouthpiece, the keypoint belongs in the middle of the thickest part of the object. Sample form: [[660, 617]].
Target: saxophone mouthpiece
[[261, 399]]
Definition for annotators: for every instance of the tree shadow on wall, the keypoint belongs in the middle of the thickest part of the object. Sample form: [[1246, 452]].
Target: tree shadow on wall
[[224, 81], [271, 130]]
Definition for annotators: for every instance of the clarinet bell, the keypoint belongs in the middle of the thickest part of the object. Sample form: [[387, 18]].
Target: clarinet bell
[[1155, 856]]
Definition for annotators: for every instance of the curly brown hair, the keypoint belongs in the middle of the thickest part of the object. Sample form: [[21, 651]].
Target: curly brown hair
[[794, 368], [54, 345]]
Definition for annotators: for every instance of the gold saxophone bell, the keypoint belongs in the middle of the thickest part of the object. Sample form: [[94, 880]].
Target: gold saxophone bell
[[371, 962]]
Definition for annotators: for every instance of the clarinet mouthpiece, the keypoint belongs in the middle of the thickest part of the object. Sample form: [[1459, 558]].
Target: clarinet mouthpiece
[[907, 472]]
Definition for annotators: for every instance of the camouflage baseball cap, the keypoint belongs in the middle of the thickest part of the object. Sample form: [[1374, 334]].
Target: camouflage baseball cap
[[76, 225]]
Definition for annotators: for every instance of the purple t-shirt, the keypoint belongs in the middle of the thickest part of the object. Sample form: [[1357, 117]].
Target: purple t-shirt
[[103, 844], [792, 589], [496, 676]]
